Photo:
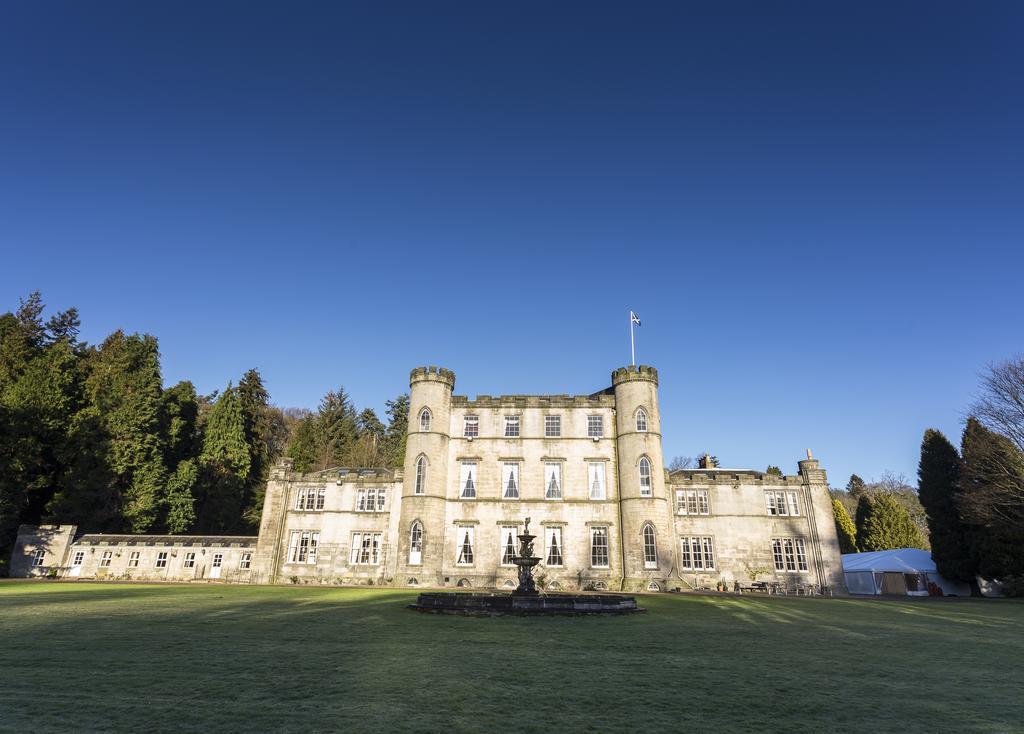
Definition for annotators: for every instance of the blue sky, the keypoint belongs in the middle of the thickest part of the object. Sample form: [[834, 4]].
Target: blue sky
[[816, 209]]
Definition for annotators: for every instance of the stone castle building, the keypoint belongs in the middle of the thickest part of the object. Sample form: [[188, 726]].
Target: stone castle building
[[587, 469]]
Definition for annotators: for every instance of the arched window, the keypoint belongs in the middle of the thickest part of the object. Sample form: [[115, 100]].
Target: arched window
[[421, 475], [650, 547], [641, 420], [645, 477], [416, 543], [424, 420]]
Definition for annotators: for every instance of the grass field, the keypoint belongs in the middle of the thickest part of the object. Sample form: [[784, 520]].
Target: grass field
[[104, 657]]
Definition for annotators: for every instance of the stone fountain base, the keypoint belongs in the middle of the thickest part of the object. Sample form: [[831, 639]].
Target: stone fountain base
[[525, 605]]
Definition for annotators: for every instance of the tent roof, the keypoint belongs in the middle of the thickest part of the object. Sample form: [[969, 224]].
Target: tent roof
[[906, 560]]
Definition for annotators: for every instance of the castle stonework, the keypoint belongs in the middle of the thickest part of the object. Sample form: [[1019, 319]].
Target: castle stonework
[[588, 470]]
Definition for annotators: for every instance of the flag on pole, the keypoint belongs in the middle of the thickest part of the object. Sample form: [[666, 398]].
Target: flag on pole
[[634, 319]]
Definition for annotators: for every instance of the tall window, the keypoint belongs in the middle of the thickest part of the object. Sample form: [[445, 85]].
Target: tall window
[[595, 480], [190, 560], [697, 553], [692, 502], [464, 551], [510, 481], [511, 426], [553, 481], [641, 420], [595, 426], [38, 555], [789, 554], [421, 475], [650, 547], [508, 545], [599, 547], [471, 426], [425, 420], [302, 547], [133, 560], [554, 546], [781, 503], [416, 543], [108, 555], [645, 477], [80, 557], [467, 480], [365, 549], [552, 426], [161, 560]]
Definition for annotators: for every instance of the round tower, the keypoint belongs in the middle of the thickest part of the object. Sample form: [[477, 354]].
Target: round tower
[[644, 503], [425, 475]]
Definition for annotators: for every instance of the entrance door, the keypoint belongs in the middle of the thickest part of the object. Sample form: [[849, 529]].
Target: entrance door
[[218, 561], [76, 564]]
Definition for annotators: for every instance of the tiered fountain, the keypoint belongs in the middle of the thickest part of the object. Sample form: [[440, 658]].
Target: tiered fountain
[[525, 600]]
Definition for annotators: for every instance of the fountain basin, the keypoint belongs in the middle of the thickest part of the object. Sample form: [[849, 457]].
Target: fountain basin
[[525, 605]]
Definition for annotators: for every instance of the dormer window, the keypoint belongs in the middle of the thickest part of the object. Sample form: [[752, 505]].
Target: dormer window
[[641, 420], [425, 420], [471, 426]]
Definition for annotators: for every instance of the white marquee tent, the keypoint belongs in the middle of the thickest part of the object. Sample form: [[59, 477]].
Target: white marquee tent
[[904, 571]]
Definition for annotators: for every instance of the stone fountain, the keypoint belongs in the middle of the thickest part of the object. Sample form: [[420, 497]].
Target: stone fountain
[[525, 600]]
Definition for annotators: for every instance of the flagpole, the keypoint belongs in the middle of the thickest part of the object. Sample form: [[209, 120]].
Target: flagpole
[[632, 342]]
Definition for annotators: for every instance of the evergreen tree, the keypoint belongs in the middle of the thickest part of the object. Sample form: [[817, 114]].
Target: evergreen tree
[[180, 500], [855, 487], [861, 518], [303, 447], [225, 463], [845, 528], [395, 433], [886, 526], [773, 471], [336, 430], [938, 488], [180, 424], [258, 421]]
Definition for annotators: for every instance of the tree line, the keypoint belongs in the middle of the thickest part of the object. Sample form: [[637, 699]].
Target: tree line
[[90, 436]]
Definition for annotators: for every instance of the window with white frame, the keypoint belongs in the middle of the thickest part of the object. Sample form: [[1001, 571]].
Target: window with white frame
[[310, 498], [552, 426], [421, 475], [190, 560], [596, 480], [692, 502], [246, 562], [218, 560], [302, 546], [781, 503], [599, 546], [595, 426], [510, 480], [789, 554], [697, 553], [554, 546], [467, 480], [641, 420], [464, 547], [650, 547], [645, 477], [38, 556], [371, 499], [425, 420], [508, 545], [511, 426], [161, 559], [106, 559], [365, 549], [133, 559], [79, 558], [553, 480], [416, 543], [471, 426]]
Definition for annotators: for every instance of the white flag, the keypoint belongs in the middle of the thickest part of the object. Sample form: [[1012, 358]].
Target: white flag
[[633, 318]]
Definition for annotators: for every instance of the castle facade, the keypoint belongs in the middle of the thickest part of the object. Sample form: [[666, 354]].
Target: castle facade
[[587, 469]]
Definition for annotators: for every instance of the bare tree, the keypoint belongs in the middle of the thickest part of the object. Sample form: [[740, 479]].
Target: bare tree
[[1000, 406], [680, 462]]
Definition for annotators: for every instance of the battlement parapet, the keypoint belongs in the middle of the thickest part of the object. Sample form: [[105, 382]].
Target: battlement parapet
[[704, 477], [634, 373], [597, 400], [432, 374]]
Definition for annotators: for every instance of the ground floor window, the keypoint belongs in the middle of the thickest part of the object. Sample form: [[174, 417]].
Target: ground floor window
[[599, 547], [650, 547], [416, 544], [554, 546], [106, 559], [365, 549], [789, 554], [133, 559], [697, 553], [161, 559], [302, 546], [37, 557], [508, 545], [78, 559], [246, 563], [218, 560], [190, 560], [464, 550]]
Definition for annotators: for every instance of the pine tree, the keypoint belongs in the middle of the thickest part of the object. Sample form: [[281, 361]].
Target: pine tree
[[225, 463], [258, 423], [855, 487], [886, 526], [395, 433], [773, 471], [180, 500], [845, 528], [938, 488], [303, 447]]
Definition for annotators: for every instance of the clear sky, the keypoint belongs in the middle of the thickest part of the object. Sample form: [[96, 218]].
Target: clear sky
[[815, 208]]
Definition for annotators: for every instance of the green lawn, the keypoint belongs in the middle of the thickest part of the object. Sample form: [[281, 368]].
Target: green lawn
[[102, 657]]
